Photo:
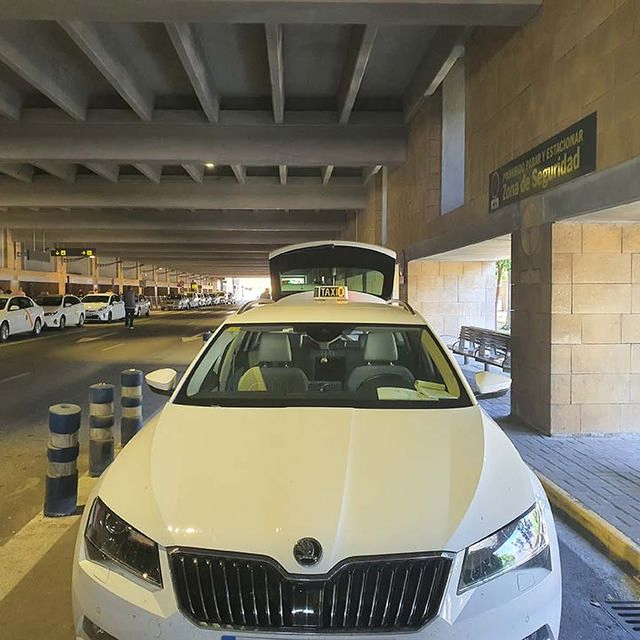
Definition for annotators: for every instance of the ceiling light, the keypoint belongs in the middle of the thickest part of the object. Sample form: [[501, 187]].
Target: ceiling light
[[210, 165]]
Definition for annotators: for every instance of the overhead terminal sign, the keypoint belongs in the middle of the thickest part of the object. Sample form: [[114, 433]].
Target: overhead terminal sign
[[568, 155], [73, 252]]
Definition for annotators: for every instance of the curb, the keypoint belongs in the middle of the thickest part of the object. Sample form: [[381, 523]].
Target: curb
[[618, 545]]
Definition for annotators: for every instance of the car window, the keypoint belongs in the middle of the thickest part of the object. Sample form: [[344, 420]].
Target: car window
[[25, 303], [49, 301], [73, 300], [96, 298], [115, 299], [3, 303], [324, 365]]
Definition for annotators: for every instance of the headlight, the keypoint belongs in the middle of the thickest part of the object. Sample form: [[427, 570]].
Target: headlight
[[111, 539], [511, 547]]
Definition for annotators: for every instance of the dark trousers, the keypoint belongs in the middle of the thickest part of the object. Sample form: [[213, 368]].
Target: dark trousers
[[130, 314]]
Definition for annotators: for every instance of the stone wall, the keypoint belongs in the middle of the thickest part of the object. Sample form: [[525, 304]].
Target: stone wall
[[595, 328], [523, 86], [451, 294]]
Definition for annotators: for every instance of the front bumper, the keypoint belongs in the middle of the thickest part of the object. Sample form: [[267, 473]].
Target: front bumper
[[522, 604], [102, 316], [52, 321]]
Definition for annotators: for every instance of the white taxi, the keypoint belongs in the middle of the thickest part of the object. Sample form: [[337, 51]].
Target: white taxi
[[104, 307], [62, 310], [19, 314], [143, 306], [323, 469]]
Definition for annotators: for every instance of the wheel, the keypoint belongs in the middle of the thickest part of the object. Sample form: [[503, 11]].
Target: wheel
[[110, 317], [4, 332], [63, 322], [80, 320], [37, 327]]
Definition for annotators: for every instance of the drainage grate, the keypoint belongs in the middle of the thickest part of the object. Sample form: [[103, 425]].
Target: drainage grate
[[626, 614]]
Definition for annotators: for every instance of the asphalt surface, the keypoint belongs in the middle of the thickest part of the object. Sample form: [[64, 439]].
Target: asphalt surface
[[59, 367]]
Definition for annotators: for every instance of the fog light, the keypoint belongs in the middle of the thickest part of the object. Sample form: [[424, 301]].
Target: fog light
[[544, 633], [96, 633]]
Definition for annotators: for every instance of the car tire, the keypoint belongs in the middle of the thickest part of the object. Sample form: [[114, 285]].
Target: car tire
[[63, 322], [138, 312], [80, 320], [37, 327], [110, 317], [4, 332]]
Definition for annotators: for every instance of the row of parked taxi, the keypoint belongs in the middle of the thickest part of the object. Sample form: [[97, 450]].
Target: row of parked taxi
[[180, 301], [21, 314]]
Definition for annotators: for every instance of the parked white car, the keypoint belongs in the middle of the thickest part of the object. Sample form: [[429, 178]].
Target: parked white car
[[357, 488], [62, 310], [143, 306], [104, 307], [19, 314], [175, 302]]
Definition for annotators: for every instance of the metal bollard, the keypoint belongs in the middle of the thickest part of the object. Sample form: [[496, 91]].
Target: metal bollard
[[131, 403], [61, 489], [101, 427], [206, 336]]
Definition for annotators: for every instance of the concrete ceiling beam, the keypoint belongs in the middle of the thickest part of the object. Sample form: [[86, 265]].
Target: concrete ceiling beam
[[258, 193], [113, 65], [152, 172], [444, 50], [151, 143], [189, 50], [172, 221], [36, 58], [66, 172], [275, 53], [105, 170], [358, 53], [195, 171], [10, 101], [22, 172], [428, 12]]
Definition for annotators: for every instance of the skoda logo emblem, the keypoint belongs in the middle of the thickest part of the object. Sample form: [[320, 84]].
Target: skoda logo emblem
[[307, 551]]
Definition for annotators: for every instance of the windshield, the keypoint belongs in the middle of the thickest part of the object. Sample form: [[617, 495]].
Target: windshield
[[49, 301], [324, 365], [94, 298]]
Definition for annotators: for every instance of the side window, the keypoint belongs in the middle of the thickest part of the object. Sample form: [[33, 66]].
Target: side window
[[115, 299], [14, 303], [25, 303], [74, 300]]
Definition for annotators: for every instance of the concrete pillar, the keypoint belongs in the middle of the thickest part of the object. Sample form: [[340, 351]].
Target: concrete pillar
[[61, 270]]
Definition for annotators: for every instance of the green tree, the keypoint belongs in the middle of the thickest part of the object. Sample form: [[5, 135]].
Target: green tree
[[503, 272]]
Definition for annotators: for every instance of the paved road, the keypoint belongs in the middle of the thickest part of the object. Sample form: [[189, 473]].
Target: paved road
[[59, 367]]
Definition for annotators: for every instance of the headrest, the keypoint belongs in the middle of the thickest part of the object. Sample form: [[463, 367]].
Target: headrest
[[274, 347], [380, 347]]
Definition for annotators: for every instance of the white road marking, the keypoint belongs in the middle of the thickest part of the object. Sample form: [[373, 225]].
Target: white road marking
[[20, 554], [192, 338], [113, 346], [105, 335], [20, 375]]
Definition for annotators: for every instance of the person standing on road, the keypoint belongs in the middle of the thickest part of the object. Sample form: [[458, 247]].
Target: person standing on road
[[129, 299]]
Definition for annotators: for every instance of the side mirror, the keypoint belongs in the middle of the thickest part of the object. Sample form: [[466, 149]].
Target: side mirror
[[13, 307], [492, 385], [162, 381]]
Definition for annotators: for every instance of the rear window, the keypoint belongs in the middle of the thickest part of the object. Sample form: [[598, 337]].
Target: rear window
[[96, 298], [324, 365]]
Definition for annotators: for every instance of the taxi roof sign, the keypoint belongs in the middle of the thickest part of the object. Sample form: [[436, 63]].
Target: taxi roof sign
[[331, 292]]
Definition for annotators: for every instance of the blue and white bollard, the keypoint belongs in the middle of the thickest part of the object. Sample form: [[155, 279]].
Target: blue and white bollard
[[101, 427], [61, 489], [131, 402]]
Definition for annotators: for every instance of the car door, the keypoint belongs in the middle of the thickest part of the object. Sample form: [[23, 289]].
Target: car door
[[30, 312], [71, 309], [18, 320]]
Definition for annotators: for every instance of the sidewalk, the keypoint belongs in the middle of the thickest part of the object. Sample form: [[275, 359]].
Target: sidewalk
[[601, 474]]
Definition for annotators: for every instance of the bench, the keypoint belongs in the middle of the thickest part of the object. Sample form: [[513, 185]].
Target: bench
[[484, 345]]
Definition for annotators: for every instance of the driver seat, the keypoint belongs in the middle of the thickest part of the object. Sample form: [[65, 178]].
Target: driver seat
[[274, 372], [380, 356]]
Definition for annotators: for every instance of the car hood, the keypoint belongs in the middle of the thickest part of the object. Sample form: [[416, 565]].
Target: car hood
[[360, 481]]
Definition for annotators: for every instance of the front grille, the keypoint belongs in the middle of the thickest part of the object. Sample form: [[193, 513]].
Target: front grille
[[389, 593]]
